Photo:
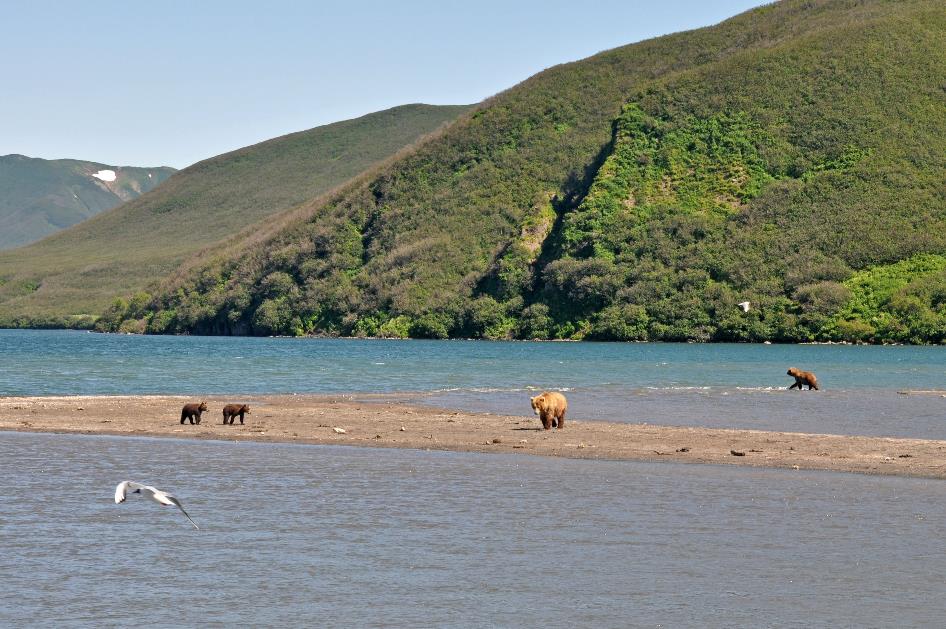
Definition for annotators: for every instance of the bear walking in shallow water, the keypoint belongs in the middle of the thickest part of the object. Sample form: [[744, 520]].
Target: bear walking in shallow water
[[230, 411], [550, 407], [803, 378], [190, 411]]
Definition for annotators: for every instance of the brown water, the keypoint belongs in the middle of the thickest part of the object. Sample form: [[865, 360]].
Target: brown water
[[325, 536]]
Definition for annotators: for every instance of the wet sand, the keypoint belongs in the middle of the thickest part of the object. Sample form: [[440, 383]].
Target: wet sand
[[384, 422]]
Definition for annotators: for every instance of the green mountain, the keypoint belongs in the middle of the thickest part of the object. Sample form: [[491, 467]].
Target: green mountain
[[70, 277], [39, 196], [792, 157]]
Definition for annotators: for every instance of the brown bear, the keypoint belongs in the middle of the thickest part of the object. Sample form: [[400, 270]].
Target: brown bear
[[550, 407], [803, 378], [190, 411], [230, 411]]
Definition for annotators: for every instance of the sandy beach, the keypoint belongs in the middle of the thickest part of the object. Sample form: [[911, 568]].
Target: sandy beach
[[387, 423]]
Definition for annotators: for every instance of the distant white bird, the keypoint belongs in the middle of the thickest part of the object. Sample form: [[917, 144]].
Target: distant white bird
[[159, 496], [744, 305]]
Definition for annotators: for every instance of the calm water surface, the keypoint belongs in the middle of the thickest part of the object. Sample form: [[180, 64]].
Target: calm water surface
[[730, 386], [324, 536]]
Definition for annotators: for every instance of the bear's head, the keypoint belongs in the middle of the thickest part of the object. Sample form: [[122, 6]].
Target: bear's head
[[793, 371], [245, 409], [537, 403], [202, 407]]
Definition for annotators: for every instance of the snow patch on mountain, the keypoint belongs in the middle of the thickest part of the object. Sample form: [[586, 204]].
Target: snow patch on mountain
[[105, 175]]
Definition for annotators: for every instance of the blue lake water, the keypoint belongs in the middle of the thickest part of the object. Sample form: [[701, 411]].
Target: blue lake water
[[353, 537], [727, 385]]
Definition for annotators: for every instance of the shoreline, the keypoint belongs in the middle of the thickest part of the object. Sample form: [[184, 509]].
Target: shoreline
[[374, 420]]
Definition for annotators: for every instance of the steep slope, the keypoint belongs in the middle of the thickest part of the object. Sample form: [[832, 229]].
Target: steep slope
[[638, 194], [39, 196], [769, 177], [65, 278]]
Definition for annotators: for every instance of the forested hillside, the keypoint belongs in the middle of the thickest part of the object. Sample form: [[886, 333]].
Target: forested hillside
[[793, 157], [39, 197], [69, 278]]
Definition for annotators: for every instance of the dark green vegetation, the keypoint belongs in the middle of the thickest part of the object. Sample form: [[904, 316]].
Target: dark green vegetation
[[793, 157], [67, 278], [41, 196]]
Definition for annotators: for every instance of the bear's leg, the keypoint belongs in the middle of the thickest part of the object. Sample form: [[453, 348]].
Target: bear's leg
[[546, 420], [561, 420], [241, 418]]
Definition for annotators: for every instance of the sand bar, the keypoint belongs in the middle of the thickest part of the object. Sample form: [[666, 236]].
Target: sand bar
[[381, 422]]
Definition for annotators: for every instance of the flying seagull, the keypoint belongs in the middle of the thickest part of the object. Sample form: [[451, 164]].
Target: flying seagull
[[744, 305], [156, 494]]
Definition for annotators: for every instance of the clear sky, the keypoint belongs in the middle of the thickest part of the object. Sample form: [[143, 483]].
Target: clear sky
[[173, 82]]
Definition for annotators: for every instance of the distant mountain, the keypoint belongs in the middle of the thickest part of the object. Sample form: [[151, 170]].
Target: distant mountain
[[41, 196], [68, 278], [792, 157]]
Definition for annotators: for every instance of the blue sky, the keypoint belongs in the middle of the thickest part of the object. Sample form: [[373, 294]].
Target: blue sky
[[174, 82]]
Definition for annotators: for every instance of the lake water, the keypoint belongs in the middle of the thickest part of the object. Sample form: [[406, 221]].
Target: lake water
[[727, 385], [329, 536]]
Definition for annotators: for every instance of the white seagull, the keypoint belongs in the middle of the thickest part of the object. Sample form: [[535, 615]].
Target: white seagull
[[159, 496], [744, 305]]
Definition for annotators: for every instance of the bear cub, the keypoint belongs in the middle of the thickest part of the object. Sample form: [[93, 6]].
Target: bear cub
[[230, 411], [190, 411]]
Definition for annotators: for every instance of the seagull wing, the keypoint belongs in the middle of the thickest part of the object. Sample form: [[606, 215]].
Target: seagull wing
[[162, 497], [178, 504], [124, 487]]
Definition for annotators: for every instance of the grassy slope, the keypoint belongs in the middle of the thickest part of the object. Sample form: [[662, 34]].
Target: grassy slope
[[837, 165], [79, 270], [765, 159], [42, 196]]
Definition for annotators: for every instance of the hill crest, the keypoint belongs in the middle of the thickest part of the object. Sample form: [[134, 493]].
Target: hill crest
[[39, 197]]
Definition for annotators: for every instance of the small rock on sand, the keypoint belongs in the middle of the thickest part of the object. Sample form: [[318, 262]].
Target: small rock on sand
[[340, 431], [737, 453]]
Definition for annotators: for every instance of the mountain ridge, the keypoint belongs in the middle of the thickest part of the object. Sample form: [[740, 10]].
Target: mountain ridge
[[40, 196], [790, 157], [68, 278]]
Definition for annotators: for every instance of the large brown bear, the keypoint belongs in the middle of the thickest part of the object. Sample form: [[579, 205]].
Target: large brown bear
[[190, 411], [230, 411], [803, 378], [550, 407]]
